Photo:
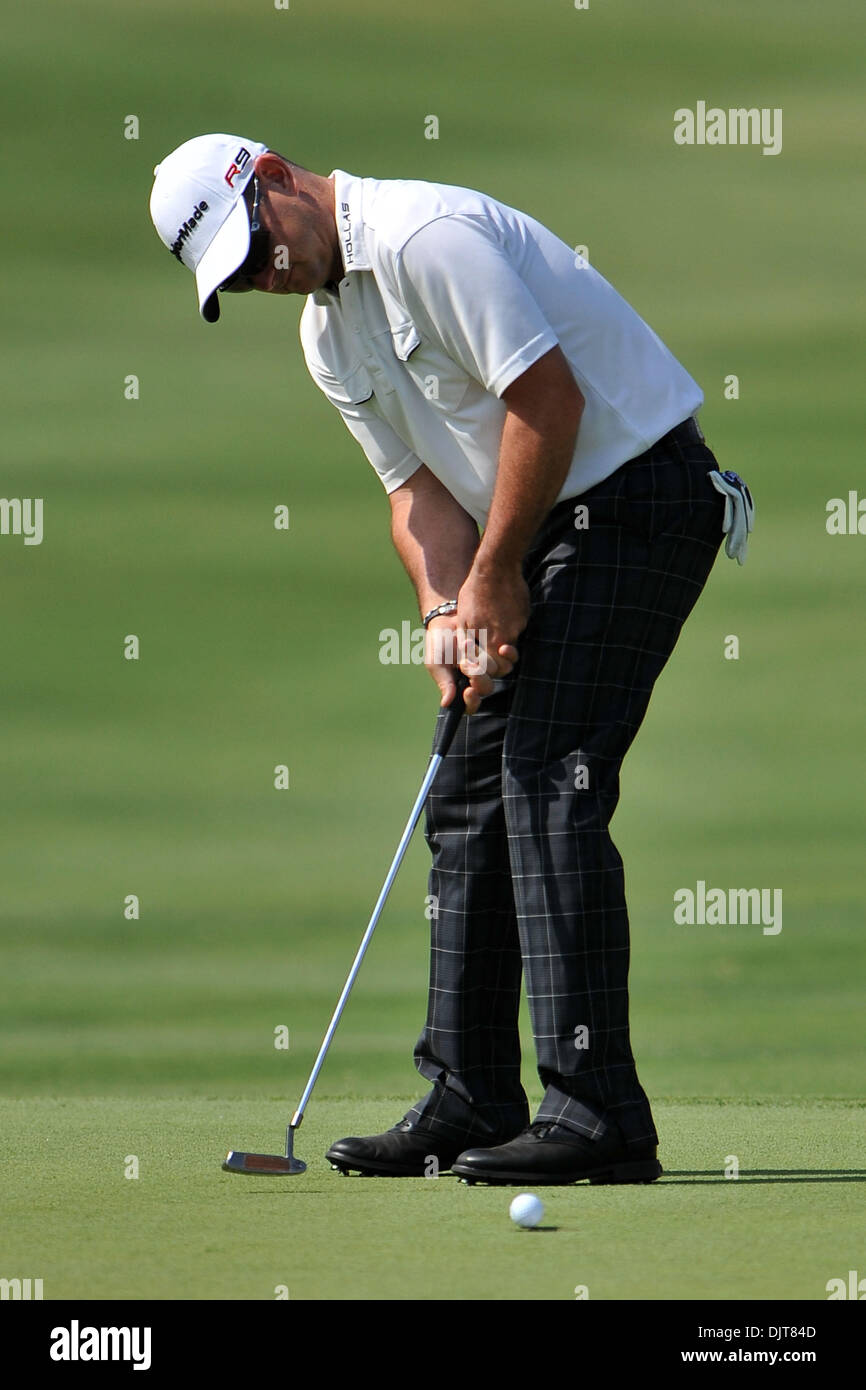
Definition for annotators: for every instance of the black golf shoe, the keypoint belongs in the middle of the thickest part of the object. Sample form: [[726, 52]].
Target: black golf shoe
[[409, 1150], [548, 1154]]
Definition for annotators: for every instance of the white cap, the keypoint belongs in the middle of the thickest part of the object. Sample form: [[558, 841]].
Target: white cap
[[198, 209]]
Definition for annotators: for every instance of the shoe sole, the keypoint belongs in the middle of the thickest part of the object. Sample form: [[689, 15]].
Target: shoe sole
[[346, 1166], [645, 1171]]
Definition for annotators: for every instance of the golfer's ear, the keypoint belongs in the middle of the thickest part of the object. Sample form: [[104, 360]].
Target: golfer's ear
[[274, 169]]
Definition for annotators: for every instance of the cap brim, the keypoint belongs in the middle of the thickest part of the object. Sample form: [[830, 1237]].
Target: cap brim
[[226, 252]]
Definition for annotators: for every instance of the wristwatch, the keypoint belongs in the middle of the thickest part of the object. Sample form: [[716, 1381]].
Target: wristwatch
[[449, 607]]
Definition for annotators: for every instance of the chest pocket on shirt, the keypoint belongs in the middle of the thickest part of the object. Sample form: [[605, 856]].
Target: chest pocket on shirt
[[435, 377], [353, 386]]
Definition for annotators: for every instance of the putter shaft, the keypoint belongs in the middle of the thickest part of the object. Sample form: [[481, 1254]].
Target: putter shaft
[[433, 768], [263, 1163]]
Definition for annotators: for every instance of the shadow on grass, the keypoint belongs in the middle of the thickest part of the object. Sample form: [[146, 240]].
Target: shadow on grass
[[696, 1176], [680, 1177]]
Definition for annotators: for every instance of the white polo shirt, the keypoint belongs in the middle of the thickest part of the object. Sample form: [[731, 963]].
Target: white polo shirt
[[448, 296]]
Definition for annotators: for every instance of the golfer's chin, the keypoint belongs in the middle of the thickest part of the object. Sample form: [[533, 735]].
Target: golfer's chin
[[275, 280], [283, 283], [293, 279]]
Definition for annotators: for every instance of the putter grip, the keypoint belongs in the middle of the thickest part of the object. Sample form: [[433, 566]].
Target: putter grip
[[453, 714]]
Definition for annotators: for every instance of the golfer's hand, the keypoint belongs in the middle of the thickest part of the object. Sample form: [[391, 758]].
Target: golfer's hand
[[442, 653], [491, 614], [492, 610], [447, 646]]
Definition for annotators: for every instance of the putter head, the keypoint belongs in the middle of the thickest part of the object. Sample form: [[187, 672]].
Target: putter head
[[263, 1165]]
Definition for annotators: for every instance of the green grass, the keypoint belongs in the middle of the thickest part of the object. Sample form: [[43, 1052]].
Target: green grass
[[183, 1229], [260, 648]]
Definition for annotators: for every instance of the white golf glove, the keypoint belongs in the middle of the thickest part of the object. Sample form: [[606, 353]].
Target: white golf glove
[[739, 512]]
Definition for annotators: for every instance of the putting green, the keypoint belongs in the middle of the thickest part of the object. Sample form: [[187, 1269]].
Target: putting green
[[183, 1229]]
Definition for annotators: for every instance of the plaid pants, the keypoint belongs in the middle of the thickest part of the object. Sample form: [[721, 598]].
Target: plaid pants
[[525, 876]]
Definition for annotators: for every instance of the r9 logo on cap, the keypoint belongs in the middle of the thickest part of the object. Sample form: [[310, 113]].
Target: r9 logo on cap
[[241, 159]]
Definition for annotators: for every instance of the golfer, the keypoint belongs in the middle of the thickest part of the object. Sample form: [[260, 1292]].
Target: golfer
[[558, 512]]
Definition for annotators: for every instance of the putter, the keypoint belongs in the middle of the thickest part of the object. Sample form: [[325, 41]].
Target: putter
[[287, 1165]]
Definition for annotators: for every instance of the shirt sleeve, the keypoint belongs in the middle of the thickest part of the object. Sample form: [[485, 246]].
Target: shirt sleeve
[[385, 451], [459, 284]]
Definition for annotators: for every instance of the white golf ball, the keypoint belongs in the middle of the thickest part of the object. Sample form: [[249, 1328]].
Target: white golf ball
[[526, 1210]]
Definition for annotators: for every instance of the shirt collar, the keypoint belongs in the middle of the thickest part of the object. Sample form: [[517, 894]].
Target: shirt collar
[[350, 228]]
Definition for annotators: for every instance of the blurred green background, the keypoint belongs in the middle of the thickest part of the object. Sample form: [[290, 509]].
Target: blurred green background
[[261, 647]]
